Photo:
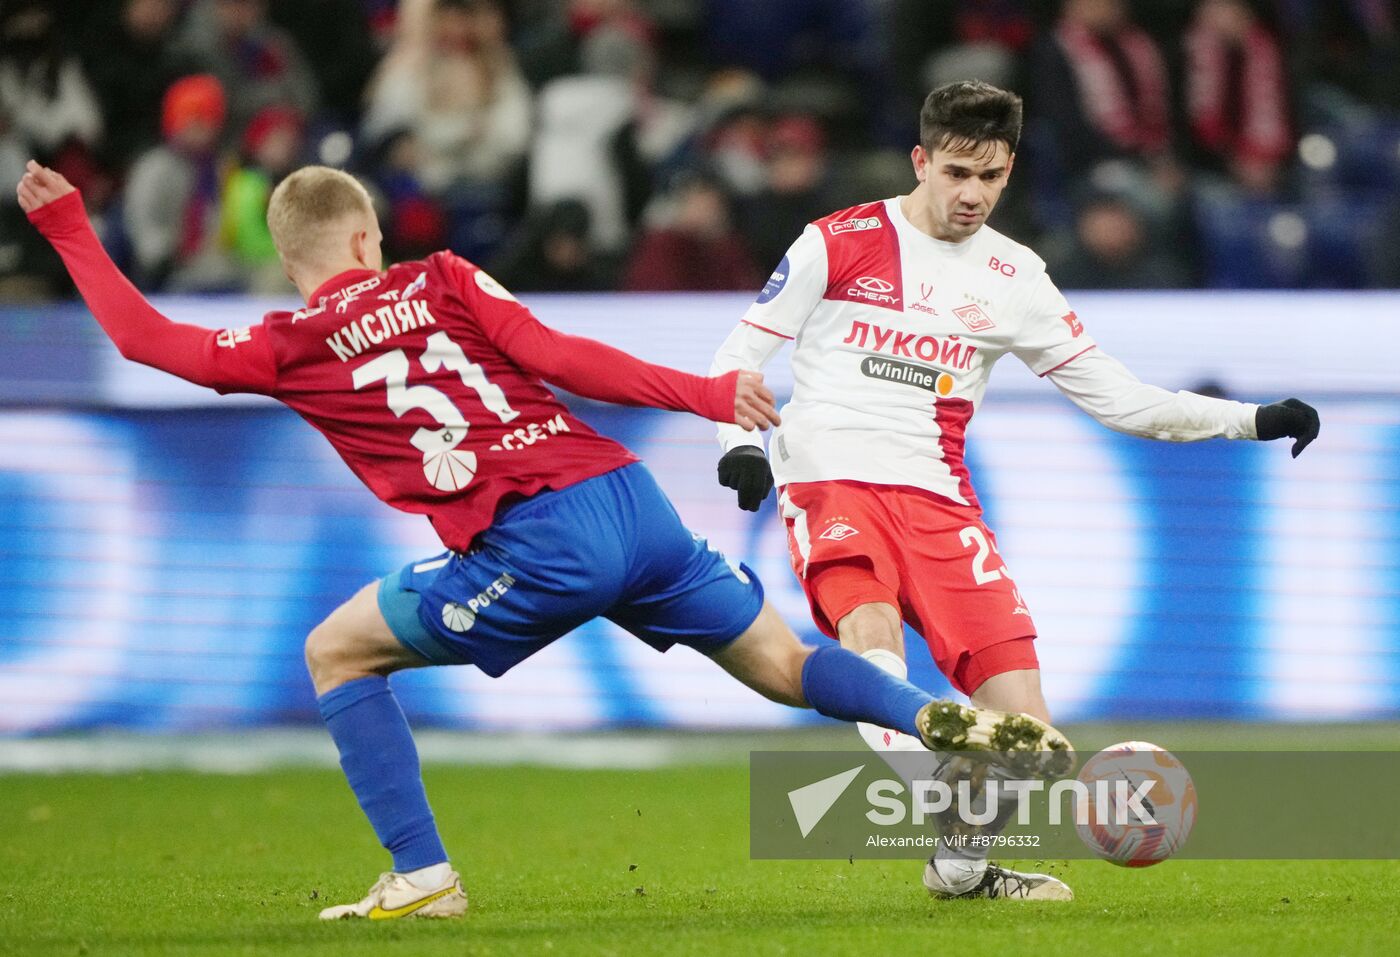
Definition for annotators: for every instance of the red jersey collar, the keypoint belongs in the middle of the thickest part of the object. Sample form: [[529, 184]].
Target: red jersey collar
[[336, 283]]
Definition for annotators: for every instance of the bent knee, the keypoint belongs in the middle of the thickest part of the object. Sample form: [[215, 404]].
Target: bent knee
[[788, 683], [870, 626], [328, 657]]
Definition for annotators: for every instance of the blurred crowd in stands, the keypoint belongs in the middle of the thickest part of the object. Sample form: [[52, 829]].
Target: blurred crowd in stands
[[577, 145]]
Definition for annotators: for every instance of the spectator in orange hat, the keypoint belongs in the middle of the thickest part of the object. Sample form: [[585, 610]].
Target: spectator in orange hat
[[257, 62], [171, 209], [193, 112]]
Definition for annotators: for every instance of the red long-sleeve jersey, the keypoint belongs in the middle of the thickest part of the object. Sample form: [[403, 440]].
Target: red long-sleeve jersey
[[425, 378]]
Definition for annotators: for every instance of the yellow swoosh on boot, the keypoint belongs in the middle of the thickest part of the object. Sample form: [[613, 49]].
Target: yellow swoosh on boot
[[379, 913]]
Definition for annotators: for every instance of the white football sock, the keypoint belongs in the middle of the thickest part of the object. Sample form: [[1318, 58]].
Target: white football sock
[[885, 739], [429, 878], [958, 874]]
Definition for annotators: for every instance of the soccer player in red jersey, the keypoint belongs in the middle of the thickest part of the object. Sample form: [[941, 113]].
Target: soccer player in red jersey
[[427, 379]]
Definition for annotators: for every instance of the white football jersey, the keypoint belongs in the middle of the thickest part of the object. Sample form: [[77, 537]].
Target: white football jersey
[[895, 337], [896, 334]]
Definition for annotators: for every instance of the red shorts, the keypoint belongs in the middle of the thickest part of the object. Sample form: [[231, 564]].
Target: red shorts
[[936, 561]]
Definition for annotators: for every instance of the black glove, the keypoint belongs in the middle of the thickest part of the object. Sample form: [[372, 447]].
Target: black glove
[[746, 469], [1291, 417]]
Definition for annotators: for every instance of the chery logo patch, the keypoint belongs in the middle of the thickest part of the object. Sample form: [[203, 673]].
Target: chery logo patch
[[875, 284]]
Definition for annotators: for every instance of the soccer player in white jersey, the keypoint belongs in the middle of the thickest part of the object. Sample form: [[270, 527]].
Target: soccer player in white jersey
[[898, 309]]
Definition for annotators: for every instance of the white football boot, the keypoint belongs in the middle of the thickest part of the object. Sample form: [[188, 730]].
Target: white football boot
[[392, 897], [999, 882]]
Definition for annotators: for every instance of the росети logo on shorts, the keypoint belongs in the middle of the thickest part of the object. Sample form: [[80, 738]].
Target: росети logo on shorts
[[460, 617]]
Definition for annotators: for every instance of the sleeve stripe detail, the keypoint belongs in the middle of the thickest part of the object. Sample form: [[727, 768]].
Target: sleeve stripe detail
[[765, 329], [1067, 361]]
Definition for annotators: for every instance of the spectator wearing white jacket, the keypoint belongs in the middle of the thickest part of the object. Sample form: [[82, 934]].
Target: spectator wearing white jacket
[[451, 81]]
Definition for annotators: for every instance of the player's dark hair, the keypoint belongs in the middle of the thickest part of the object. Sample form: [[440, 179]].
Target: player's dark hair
[[969, 114]]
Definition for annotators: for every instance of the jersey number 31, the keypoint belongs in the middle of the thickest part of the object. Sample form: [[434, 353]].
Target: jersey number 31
[[446, 467]]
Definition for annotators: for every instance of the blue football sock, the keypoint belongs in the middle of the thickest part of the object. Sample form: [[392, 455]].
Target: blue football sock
[[380, 761], [841, 684]]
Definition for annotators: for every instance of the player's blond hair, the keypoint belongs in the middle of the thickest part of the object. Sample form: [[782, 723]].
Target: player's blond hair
[[308, 207]]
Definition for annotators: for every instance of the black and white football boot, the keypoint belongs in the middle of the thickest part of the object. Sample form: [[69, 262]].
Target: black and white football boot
[[999, 883]]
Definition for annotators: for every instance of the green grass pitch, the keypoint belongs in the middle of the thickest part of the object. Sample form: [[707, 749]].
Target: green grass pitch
[[603, 862]]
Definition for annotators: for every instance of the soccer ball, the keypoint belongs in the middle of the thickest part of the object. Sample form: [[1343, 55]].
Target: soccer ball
[[1141, 832]]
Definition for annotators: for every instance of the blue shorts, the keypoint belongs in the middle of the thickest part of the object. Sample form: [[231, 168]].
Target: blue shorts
[[610, 546]]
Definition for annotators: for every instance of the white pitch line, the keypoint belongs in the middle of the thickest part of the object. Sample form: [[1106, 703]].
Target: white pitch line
[[250, 752]]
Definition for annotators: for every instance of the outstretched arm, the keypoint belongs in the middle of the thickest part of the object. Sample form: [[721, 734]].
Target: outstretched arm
[[1103, 387], [222, 360], [594, 370], [1054, 344]]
